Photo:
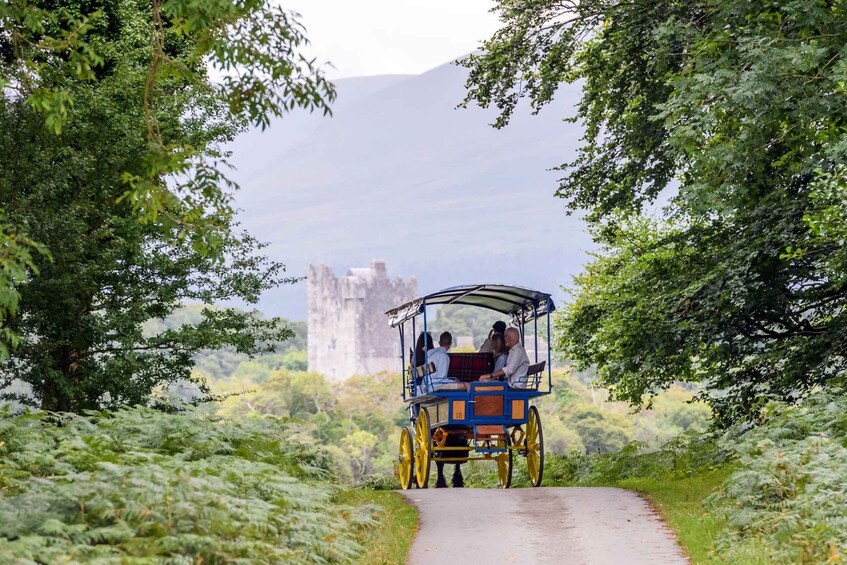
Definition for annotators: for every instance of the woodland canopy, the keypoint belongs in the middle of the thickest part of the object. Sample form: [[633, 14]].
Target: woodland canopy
[[114, 201], [730, 116]]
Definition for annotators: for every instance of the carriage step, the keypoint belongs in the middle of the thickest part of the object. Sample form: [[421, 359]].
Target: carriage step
[[485, 435], [489, 430]]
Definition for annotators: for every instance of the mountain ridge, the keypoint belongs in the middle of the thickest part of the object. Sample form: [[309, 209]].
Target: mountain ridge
[[399, 173]]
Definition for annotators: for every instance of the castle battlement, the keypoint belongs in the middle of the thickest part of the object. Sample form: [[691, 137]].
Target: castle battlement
[[348, 329]]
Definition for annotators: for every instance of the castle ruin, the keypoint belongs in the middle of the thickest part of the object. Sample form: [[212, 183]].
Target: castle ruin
[[348, 330]]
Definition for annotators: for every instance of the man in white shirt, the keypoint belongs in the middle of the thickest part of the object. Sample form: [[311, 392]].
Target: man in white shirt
[[441, 360], [517, 364]]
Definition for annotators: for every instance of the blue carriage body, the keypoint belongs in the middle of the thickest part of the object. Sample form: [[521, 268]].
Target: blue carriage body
[[460, 408], [492, 418]]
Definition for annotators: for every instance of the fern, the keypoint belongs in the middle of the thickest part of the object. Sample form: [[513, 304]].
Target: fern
[[788, 494], [136, 485]]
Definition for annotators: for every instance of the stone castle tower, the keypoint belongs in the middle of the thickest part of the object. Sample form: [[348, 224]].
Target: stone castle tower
[[348, 329]]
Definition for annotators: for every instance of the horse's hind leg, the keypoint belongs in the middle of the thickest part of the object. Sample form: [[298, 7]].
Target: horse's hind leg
[[458, 479], [440, 483]]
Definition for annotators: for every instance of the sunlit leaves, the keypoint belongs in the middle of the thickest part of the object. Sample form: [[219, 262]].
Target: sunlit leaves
[[257, 49], [54, 105], [39, 41], [255, 52]]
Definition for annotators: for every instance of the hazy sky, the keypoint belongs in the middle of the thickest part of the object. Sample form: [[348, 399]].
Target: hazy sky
[[372, 37]]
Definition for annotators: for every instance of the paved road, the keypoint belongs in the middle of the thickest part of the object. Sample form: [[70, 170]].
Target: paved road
[[568, 526]]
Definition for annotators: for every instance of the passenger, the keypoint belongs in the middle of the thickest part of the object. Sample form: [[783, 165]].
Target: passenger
[[486, 345], [499, 327], [418, 356], [517, 364], [441, 360], [498, 351]]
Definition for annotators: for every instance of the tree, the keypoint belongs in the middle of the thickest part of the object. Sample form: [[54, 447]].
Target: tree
[[222, 363], [125, 187], [357, 420], [735, 112], [287, 394], [16, 263], [359, 447], [464, 321], [599, 432], [255, 48]]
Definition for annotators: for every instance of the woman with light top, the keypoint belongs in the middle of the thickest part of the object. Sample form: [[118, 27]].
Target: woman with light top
[[499, 351], [499, 327]]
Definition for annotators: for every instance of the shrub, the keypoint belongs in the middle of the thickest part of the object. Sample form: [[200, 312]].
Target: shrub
[[686, 455], [137, 484], [788, 495], [379, 482]]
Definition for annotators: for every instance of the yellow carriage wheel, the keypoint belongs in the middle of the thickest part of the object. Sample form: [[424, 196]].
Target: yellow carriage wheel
[[404, 460], [504, 465], [423, 448], [534, 447]]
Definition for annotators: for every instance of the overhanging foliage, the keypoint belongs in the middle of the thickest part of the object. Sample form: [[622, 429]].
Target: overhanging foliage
[[742, 105], [126, 188]]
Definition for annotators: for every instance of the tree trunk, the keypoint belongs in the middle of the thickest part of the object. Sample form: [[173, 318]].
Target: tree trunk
[[58, 386]]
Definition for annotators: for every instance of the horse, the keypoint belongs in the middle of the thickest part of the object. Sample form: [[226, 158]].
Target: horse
[[458, 481]]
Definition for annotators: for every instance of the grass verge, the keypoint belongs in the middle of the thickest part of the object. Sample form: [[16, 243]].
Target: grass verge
[[678, 480], [389, 541], [681, 504]]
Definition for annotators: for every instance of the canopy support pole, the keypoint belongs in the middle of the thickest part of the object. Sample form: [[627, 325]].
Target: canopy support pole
[[403, 360], [549, 348], [414, 359], [535, 328], [523, 335], [427, 377]]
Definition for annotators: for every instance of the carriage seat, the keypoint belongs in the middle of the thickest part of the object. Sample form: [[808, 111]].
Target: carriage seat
[[416, 374], [468, 367], [489, 433], [534, 374]]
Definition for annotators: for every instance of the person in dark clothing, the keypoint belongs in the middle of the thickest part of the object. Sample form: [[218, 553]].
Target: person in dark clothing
[[424, 344], [499, 327], [417, 356]]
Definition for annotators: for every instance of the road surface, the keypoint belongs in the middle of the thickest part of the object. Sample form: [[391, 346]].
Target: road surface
[[568, 526]]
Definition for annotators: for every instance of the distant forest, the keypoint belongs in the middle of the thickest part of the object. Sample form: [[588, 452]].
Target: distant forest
[[220, 364]]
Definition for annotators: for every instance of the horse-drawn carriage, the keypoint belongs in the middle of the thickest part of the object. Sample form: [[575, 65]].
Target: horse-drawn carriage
[[492, 420]]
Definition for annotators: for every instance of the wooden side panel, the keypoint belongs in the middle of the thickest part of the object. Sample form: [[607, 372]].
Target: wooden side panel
[[442, 412], [488, 406], [458, 409], [438, 412], [518, 409], [489, 388]]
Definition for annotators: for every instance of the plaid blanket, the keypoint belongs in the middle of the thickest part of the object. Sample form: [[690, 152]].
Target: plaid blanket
[[469, 366]]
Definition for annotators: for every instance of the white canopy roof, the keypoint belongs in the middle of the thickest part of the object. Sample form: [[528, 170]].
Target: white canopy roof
[[522, 304]]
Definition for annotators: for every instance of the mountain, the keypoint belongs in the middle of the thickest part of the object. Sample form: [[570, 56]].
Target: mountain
[[399, 173]]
